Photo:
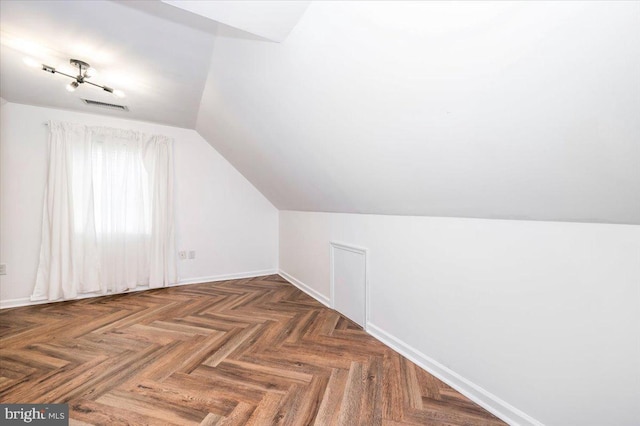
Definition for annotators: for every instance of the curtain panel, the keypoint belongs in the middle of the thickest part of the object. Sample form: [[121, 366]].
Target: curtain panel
[[108, 217]]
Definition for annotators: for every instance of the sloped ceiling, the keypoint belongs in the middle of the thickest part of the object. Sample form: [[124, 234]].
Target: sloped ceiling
[[516, 110]]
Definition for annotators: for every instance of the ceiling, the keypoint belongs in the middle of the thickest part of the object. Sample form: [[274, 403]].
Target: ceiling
[[506, 110], [511, 110], [161, 65], [158, 53]]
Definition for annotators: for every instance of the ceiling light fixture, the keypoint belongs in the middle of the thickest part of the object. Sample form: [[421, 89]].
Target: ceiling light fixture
[[85, 71]]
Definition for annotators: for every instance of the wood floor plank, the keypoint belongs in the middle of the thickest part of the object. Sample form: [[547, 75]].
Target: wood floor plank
[[255, 351], [353, 395], [392, 400], [211, 401], [330, 405], [266, 413], [303, 402], [371, 408], [95, 413], [206, 382], [239, 416], [211, 420], [150, 407]]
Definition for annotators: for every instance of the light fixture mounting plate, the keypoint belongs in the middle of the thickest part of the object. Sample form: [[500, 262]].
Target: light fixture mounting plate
[[79, 63]]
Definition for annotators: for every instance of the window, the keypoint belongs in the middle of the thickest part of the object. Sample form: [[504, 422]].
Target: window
[[119, 198], [108, 212]]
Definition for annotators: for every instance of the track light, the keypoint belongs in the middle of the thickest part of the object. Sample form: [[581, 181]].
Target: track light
[[85, 71]]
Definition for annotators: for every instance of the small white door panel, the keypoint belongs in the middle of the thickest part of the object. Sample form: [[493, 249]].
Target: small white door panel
[[349, 281]]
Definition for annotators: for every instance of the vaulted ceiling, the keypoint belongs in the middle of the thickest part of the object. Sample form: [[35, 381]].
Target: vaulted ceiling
[[517, 110]]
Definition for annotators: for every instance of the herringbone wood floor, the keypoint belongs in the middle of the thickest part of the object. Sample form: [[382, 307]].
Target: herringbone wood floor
[[255, 351]]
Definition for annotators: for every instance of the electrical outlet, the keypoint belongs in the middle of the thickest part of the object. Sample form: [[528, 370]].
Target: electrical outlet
[[182, 255], [192, 254], [3, 269]]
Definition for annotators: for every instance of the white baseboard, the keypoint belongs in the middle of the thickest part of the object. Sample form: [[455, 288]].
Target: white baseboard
[[302, 286], [477, 394], [14, 303], [26, 301], [225, 277]]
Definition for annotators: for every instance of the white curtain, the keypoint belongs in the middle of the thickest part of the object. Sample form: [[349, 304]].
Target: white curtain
[[108, 212]]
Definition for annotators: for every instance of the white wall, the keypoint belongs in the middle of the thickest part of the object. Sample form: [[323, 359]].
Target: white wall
[[232, 227], [506, 110], [542, 315]]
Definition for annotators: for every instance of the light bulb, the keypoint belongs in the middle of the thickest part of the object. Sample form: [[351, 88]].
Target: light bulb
[[90, 72], [118, 93], [71, 87]]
